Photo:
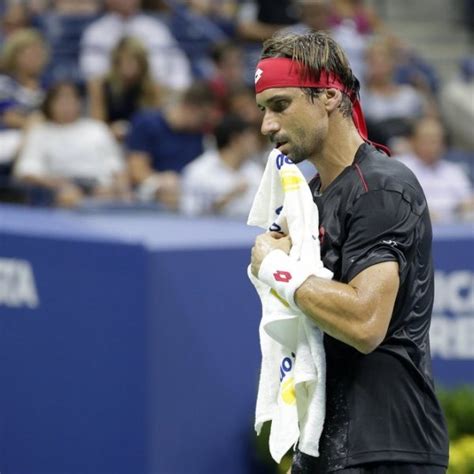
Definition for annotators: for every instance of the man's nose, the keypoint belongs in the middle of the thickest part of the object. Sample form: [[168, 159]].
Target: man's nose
[[269, 125]]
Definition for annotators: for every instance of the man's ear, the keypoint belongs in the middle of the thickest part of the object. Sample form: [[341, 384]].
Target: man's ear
[[332, 99]]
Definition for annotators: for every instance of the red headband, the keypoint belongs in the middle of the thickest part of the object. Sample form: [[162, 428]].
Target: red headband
[[284, 72]]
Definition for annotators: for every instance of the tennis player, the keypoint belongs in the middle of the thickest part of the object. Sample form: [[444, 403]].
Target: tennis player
[[382, 413]]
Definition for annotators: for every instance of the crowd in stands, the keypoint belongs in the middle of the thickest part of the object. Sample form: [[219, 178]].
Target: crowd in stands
[[151, 102]]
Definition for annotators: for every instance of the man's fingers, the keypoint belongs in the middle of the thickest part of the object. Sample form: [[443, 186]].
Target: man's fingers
[[253, 267], [279, 236], [276, 235]]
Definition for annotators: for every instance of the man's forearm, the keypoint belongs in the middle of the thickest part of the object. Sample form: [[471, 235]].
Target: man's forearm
[[139, 167], [336, 308], [12, 118], [52, 183], [357, 313]]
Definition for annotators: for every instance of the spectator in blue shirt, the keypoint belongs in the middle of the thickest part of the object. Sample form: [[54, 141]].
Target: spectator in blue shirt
[[162, 142]]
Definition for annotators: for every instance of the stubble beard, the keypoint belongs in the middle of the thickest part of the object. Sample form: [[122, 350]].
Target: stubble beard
[[297, 154], [302, 151]]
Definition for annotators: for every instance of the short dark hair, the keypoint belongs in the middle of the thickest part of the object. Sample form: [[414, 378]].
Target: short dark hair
[[228, 128], [219, 50], [317, 52], [53, 92], [199, 94]]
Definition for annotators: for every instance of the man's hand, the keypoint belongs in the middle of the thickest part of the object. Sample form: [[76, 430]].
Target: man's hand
[[264, 244], [69, 196], [234, 193]]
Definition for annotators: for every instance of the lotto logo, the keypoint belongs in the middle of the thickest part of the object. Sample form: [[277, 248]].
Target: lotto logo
[[282, 276], [258, 75]]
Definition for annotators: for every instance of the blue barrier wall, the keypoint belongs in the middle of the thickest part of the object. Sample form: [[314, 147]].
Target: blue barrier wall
[[73, 368], [452, 328], [129, 344]]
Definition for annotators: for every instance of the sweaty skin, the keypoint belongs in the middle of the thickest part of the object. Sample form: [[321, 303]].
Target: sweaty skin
[[357, 313]]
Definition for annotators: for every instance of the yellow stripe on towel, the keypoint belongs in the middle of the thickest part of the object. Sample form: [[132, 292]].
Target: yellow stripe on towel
[[290, 181], [278, 297]]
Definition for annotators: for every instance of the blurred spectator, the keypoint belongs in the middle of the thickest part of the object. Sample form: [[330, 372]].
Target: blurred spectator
[[256, 21], [214, 8], [447, 188], [68, 7], [23, 59], [158, 6], [62, 25], [457, 105], [242, 103], [37, 7], [352, 23], [382, 97], [224, 180], [411, 68], [198, 25], [162, 142], [220, 12], [73, 7], [356, 12], [229, 70], [468, 17], [389, 108], [315, 15], [72, 156], [260, 19], [169, 64], [127, 88], [14, 18]]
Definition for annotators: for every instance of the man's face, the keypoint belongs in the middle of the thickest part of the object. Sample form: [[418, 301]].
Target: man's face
[[294, 124], [428, 141], [248, 142], [123, 7], [200, 118], [32, 59], [315, 13]]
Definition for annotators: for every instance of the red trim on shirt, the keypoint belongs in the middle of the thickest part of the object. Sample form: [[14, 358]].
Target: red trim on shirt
[[361, 176]]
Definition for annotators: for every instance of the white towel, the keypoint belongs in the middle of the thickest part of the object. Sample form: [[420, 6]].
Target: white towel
[[291, 391]]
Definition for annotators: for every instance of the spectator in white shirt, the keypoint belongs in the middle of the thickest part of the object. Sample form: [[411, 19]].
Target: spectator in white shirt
[[72, 156], [169, 64], [447, 187], [457, 105], [224, 180]]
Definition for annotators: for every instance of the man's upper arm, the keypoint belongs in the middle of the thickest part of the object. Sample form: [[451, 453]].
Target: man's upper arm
[[381, 239], [377, 288], [139, 166], [31, 160]]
